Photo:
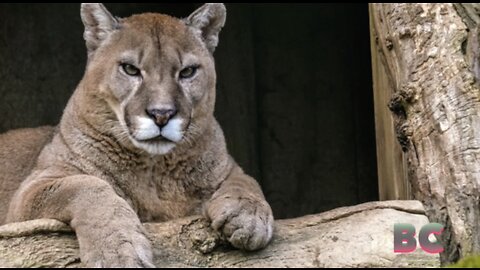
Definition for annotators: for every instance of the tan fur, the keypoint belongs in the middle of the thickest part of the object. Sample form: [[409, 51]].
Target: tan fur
[[100, 175], [19, 150]]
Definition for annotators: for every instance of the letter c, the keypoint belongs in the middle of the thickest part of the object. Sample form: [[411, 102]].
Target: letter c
[[425, 244]]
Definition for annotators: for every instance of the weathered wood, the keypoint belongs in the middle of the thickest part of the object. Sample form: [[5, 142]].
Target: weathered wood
[[391, 165], [356, 236], [425, 50]]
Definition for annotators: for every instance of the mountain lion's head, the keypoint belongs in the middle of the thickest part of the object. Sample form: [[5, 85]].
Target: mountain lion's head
[[155, 73]]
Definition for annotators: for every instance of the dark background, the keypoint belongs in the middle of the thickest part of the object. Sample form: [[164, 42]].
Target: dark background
[[294, 91]]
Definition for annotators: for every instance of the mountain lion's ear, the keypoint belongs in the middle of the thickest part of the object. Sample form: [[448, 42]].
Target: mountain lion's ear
[[209, 19], [98, 24]]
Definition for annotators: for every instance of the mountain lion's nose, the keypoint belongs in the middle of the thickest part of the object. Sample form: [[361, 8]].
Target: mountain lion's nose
[[161, 116]]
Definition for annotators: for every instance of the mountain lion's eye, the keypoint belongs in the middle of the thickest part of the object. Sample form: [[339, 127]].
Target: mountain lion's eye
[[188, 72], [131, 70]]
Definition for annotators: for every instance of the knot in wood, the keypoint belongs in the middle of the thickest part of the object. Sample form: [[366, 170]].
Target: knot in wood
[[401, 99], [199, 236], [388, 43], [404, 134], [404, 32]]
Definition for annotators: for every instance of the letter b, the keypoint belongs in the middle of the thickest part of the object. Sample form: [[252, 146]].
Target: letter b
[[404, 238]]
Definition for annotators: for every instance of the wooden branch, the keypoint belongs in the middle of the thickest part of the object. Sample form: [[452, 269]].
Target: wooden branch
[[356, 236], [431, 60]]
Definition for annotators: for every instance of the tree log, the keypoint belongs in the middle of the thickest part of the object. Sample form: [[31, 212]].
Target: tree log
[[356, 236], [430, 53]]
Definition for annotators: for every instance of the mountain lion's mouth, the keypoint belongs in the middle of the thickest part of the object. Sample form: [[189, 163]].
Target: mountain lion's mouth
[[158, 139]]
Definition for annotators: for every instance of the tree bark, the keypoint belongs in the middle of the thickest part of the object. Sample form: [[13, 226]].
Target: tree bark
[[430, 54], [356, 236]]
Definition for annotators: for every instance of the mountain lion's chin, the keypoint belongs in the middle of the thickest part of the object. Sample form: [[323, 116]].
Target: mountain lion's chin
[[158, 146]]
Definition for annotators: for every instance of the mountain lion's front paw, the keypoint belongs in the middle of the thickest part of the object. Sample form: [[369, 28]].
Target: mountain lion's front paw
[[246, 221], [116, 248]]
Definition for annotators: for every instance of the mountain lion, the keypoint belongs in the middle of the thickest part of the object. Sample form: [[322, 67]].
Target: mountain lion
[[138, 142]]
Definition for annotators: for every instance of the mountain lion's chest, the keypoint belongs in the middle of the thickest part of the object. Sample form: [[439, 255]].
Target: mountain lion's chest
[[158, 193]]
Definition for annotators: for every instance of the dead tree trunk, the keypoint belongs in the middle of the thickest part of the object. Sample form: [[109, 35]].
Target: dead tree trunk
[[430, 57], [356, 236]]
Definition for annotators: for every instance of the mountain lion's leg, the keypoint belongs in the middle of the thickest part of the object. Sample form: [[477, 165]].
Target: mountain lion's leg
[[108, 230], [239, 209]]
